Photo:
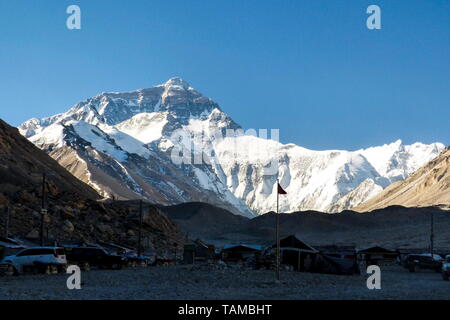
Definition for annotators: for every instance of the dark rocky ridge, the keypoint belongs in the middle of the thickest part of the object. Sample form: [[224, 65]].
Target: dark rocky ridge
[[202, 220], [394, 226]]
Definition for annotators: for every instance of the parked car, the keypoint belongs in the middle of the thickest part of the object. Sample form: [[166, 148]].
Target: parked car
[[42, 259], [415, 262], [446, 268], [94, 256], [134, 260]]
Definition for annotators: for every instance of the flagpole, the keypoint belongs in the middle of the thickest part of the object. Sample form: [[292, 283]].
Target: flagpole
[[278, 237]]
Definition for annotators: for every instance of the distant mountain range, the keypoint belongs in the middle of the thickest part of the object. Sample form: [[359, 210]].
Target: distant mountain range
[[121, 145]]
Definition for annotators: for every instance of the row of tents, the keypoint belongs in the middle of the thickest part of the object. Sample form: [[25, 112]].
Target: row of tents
[[298, 255]]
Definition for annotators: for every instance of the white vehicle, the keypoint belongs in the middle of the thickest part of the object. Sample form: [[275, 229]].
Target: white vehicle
[[50, 259], [446, 268]]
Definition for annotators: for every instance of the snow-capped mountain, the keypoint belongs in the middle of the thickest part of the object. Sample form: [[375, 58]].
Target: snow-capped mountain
[[171, 144]]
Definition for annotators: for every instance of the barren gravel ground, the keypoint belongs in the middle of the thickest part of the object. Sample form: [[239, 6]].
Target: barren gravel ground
[[185, 282]]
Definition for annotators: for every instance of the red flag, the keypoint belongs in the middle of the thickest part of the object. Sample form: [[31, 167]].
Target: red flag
[[281, 190]]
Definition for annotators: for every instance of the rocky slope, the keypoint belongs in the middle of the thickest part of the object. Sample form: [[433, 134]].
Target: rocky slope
[[74, 210], [430, 185], [123, 145], [393, 227], [202, 220]]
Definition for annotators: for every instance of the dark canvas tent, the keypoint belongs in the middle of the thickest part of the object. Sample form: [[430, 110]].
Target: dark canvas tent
[[304, 257], [336, 265], [293, 241], [240, 252], [198, 250], [296, 253], [376, 254], [337, 260]]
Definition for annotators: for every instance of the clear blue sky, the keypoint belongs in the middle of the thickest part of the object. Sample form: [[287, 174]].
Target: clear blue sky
[[310, 68]]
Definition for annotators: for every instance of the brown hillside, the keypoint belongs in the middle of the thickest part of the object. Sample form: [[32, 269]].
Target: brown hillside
[[428, 186], [75, 211]]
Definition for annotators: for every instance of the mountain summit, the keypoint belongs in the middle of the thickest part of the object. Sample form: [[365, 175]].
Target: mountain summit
[[121, 145], [176, 82]]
